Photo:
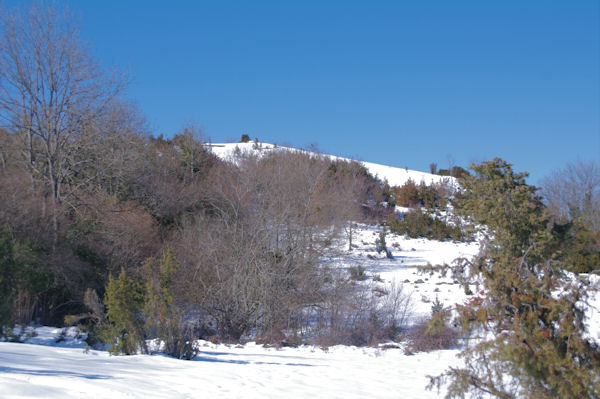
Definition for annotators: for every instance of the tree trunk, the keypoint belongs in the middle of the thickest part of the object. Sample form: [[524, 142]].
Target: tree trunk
[[350, 237]]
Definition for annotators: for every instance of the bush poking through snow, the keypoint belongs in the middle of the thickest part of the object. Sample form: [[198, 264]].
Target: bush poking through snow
[[433, 333], [16, 334], [437, 306], [164, 318], [357, 273], [124, 300], [380, 244], [355, 314]]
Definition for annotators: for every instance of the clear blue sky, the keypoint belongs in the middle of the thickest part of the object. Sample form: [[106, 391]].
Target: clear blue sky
[[394, 82]]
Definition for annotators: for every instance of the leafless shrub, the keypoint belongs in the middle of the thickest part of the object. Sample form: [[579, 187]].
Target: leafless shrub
[[431, 334], [254, 251], [574, 192], [361, 314], [396, 307], [357, 273]]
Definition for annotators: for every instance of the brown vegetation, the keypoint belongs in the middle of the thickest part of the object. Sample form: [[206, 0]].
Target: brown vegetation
[[207, 247]]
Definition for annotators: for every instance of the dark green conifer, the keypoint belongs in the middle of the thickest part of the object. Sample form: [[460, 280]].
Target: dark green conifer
[[531, 329], [124, 300], [165, 318]]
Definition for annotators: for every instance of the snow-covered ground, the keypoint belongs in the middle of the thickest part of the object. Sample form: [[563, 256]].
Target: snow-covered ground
[[591, 307], [220, 371], [408, 255]]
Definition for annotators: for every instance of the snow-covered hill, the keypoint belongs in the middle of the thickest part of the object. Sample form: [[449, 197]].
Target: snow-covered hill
[[394, 176]]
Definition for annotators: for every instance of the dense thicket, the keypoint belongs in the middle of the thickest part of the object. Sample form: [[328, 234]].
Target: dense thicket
[[136, 237], [245, 239], [419, 224], [429, 216], [411, 194]]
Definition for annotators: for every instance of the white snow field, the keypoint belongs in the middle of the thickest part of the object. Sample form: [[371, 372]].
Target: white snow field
[[33, 371]]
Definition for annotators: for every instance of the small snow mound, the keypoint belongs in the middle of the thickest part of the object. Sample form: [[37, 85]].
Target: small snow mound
[[69, 337]]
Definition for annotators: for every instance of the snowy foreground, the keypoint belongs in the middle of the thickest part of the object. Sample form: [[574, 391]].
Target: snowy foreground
[[41, 367], [33, 371]]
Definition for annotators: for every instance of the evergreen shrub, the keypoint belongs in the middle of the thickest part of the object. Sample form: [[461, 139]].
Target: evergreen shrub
[[124, 300], [418, 224], [357, 273], [433, 333]]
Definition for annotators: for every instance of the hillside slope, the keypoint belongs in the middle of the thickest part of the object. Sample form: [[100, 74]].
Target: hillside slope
[[394, 176]]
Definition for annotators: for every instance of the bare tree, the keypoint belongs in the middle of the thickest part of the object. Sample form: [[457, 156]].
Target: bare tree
[[3, 149], [51, 94], [433, 168], [347, 187], [574, 192], [252, 255]]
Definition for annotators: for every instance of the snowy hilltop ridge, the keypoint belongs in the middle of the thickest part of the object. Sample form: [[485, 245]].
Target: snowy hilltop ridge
[[395, 176]]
